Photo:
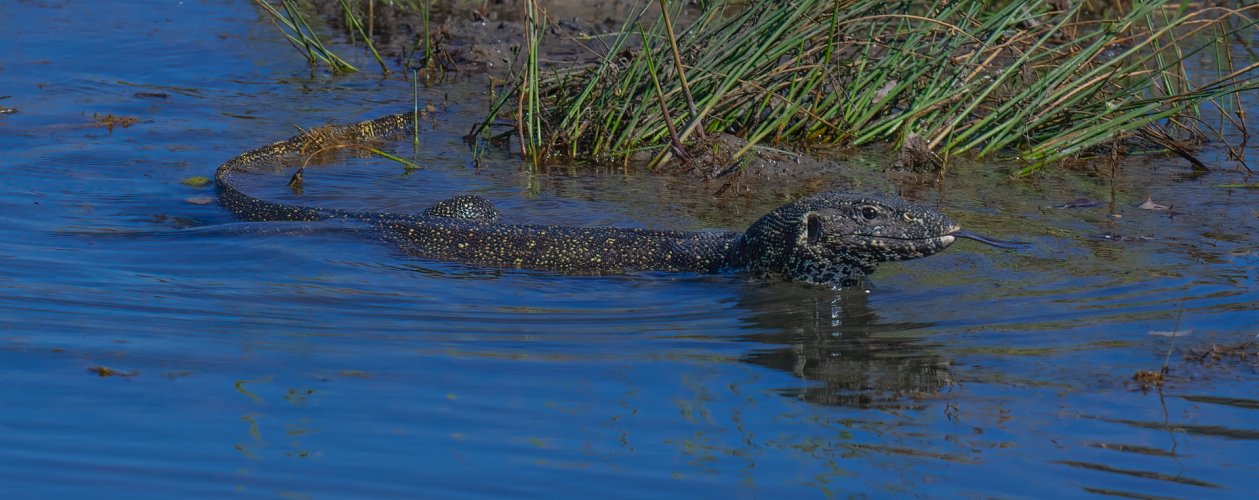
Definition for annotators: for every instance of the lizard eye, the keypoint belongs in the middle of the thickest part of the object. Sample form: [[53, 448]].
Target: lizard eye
[[813, 227], [869, 213]]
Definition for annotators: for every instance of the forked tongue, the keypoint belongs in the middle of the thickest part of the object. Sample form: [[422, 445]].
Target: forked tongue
[[1009, 245]]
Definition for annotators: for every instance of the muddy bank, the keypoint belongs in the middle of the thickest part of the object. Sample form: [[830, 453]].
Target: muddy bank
[[483, 38]]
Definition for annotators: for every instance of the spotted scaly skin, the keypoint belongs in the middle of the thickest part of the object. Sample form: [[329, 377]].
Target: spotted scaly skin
[[840, 238], [465, 206], [830, 238]]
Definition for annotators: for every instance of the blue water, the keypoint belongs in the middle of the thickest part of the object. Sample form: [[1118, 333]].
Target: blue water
[[300, 360]]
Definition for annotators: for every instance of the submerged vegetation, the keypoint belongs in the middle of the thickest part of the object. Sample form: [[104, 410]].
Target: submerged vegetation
[[1042, 81]]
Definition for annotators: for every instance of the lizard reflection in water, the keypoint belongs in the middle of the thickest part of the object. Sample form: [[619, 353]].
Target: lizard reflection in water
[[830, 238]]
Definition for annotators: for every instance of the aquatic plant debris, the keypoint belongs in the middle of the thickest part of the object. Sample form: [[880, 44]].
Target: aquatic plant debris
[[1149, 378], [196, 181], [105, 371], [109, 121], [1241, 351]]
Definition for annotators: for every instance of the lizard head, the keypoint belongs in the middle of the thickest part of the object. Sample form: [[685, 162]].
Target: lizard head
[[839, 238]]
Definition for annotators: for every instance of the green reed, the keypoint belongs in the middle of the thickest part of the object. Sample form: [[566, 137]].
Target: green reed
[[297, 30], [1018, 79], [291, 21]]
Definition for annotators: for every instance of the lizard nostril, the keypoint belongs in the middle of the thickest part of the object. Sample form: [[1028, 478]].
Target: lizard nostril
[[813, 228]]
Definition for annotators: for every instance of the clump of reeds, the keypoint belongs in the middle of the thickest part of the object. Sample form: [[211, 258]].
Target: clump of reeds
[[291, 21], [1018, 79]]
